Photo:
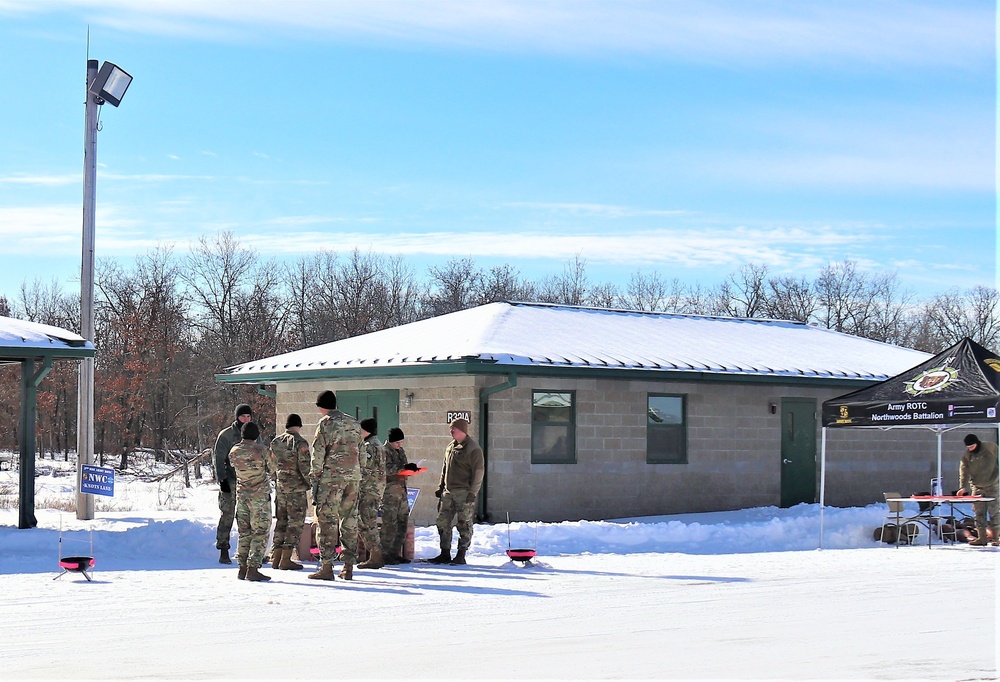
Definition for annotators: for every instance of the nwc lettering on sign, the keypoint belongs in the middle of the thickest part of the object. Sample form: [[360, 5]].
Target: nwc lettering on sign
[[97, 480]]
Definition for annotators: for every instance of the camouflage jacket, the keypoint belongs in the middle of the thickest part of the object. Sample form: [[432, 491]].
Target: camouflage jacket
[[335, 449], [254, 465], [395, 460], [372, 464], [291, 453], [463, 467]]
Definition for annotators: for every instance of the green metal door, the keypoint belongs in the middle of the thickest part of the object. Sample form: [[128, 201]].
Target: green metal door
[[383, 405], [798, 451]]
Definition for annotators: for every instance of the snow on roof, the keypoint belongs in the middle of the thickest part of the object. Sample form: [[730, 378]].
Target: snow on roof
[[547, 335], [20, 337]]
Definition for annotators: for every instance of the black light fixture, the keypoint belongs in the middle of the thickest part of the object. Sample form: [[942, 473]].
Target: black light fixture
[[110, 85]]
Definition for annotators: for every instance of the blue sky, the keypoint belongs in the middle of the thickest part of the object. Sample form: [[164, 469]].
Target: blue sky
[[683, 137]]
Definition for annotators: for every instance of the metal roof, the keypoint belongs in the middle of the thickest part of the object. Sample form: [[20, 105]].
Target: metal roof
[[516, 335], [20, 339]]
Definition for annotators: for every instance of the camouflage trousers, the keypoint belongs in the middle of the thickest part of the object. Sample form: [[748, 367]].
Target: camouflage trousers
[[395, 517], [290, 511], [337, 517], [227, 514], [369, 500], [991, 508], [455, 513], [253, 521]]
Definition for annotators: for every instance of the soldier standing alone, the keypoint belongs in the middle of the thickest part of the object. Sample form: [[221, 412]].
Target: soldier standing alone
[[370, 493], [255, 469], [334, 474], [461, 478], [977, 472], [291, 454]]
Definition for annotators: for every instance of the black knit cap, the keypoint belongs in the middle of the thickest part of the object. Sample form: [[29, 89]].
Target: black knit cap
[[972, 439], [327, 400], [243, 409], [395, 434], [369, 425], [250, 431], [293, 420]]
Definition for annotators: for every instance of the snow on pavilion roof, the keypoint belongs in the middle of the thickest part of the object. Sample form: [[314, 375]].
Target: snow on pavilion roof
[[20, 338]]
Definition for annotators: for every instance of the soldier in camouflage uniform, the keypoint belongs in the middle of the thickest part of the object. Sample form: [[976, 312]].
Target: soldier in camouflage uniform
[[370, 492], [255, 469], [335, 474], [461, 478], [226, 477], [291, 453], [395, 505]]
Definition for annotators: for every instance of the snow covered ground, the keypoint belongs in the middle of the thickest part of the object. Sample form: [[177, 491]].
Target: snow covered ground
[[730, 595]]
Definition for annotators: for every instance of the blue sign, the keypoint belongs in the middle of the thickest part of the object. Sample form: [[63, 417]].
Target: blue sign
[[411, 496], [97, 480]]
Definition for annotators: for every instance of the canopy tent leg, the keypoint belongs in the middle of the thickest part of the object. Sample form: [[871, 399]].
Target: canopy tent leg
[[822, 482]]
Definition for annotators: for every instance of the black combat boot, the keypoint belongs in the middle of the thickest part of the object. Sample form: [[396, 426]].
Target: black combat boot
[[443, 558], [224, 556], [459, 559]]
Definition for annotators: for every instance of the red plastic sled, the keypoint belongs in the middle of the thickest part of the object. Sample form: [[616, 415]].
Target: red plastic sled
[[521, 554]]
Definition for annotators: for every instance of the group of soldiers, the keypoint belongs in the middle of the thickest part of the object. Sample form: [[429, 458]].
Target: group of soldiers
[[351, 475]]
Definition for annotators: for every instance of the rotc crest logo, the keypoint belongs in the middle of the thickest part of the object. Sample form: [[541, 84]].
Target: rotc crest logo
[[931, 380]]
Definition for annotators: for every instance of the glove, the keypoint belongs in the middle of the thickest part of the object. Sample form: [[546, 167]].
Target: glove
[[470, 498], [437, 493], [224, 486], [411, 466]]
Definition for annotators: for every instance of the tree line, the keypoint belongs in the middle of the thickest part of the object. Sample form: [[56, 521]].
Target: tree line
[[166, 324]]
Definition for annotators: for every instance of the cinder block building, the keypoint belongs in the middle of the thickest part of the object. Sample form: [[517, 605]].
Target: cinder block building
[[589, 413]]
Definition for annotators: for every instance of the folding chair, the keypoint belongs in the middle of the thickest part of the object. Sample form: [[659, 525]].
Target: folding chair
[[897, 514]]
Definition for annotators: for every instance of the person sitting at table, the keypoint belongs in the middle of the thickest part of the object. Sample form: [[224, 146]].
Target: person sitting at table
[[978, 472]]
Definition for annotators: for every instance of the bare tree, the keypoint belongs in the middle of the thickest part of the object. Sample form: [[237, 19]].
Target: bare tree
[[953, 315], [744, 292], [300, 280], [453, 287], [237, 314], [571, 287], [501, 283], [790, 299], [841, 292], [57, 396], [403, 294], [606, 295], [143, 333]]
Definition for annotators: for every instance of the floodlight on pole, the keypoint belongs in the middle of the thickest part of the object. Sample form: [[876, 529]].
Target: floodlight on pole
[[107, 84]]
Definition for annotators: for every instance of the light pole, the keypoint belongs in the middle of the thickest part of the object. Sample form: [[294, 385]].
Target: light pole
[[105, 85]]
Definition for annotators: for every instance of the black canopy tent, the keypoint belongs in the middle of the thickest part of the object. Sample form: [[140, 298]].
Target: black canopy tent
[[956, 388]]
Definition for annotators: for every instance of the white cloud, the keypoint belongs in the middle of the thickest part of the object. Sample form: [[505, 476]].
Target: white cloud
[[732, 31], [42, 180], [796, 248], [610, 211]]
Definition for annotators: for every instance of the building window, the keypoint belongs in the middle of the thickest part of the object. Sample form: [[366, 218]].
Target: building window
[[553, 428], [666, 429]]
